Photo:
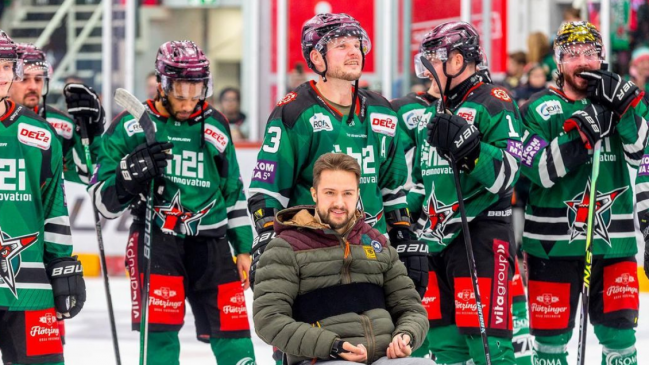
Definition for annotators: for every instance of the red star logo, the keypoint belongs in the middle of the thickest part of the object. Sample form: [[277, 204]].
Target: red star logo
[[439, 215], [579, 207], [174, 214], [9, 249]]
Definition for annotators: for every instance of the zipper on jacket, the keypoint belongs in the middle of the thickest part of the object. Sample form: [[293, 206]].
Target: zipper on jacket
[[346, 276], [369, 335]]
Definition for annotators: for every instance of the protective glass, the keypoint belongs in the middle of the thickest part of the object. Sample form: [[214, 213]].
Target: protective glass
[[11, 69], [186, 89], [437, 55], [343, 35]]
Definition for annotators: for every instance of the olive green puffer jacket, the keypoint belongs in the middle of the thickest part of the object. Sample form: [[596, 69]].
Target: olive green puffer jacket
[[307, 255]]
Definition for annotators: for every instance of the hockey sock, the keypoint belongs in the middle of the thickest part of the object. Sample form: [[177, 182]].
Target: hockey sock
[[552, 350], [233, 351], [500, 348], [522, 339], [163, 348], [618, 345], [448, 346]]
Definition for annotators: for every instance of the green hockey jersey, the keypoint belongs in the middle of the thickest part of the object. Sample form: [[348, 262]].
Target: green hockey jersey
[[34, 226], [304, 126], [74, 159], [411, 111], [203, 191], [559, 168], [487, 190]]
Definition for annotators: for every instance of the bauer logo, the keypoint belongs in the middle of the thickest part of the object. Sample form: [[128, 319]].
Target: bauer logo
[[468, 114], [321, 122], [132, 127], [216, 138], [384, 124], [34, 136], [549, 108], [62, 127]]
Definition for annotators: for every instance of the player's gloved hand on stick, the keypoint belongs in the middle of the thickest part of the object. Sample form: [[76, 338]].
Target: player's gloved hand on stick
[[644, 228], [83, 104], [593, 123], [455, 139], [258, 247], [68, 286], [138, 168], [413, 254], [610, 90]]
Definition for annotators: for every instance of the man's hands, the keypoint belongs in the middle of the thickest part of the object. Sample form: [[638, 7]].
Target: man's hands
[[243, 268], [400, 346]]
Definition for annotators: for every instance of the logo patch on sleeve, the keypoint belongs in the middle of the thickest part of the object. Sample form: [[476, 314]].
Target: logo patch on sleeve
[[468, 114], [62, 127], [321, 122], [532, 147], [501, 94], [132, 127], [549, 108], [287, 98], [34, 136], [413, 118], [384, 123], [643, 170], [216, 137]]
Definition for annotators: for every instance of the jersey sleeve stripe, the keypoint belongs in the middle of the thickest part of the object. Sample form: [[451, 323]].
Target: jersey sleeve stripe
[[63, 220], [639, 144], [557, 158], [544, 171], [396, 201], [418, 189], [513, 164], [277, 196], [95, 192], [57, 228], [238, 222], [212, 226], [500, 177], [240, 204], [61, 239]]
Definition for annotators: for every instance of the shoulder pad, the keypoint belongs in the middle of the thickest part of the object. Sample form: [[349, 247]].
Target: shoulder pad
[[61, 122], [52, 110], [294, 104], [493, 98], [373, 98], [400, 102]]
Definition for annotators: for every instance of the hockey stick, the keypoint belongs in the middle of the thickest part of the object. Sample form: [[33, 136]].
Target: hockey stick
[[129, 102], [588, 264], [85, 141], [465, 227]]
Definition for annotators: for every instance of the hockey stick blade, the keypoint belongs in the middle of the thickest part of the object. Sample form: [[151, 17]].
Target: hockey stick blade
[[132, 105]]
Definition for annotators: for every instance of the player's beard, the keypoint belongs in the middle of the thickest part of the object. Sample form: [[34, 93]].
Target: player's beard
[[31, 103], [341, 74], [325, 217], [571, 80]]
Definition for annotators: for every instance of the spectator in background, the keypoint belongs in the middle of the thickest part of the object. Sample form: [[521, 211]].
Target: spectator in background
[[297, 76], [539, 51], [230, 102], [151, 86], [639, 71], [534, 81], [515, 69]]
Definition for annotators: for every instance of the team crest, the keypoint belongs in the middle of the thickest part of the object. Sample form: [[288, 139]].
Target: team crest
[[176, 220], [578, 213], [10, 249], [438, 215], [369, 218]]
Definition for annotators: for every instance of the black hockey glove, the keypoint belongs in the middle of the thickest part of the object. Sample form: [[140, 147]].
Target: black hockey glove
[[68, 286], [455, 139], [258, 247], [610, 90], [144, 164], [83, 104], [595, 122], [413, 254], [644, 228]]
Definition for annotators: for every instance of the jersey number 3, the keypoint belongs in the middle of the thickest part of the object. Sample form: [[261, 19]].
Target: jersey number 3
[[275, 135]]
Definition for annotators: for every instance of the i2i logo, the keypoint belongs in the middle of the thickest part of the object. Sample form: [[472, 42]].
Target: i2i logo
[[12, 174]]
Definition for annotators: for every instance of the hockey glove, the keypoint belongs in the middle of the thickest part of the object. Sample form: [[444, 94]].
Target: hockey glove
[[68, 286], [413, 254], [595, 123], [83, 104], [455, 139], [258, 247], [610, 90], [137, 169], [644, 228]]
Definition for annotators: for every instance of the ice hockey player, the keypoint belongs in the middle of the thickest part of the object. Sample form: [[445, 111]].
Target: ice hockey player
[[479, 130], [40, 281], [332, 116], [199, 206], [81, 100], [561, 128]]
